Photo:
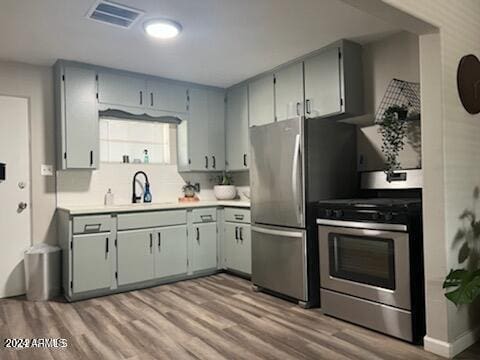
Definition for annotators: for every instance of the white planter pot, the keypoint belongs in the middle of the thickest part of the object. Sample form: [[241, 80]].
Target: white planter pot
[[225, 192]]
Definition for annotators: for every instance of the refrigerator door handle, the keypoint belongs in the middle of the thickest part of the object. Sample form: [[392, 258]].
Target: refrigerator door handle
[[296, 163], [293, 234]]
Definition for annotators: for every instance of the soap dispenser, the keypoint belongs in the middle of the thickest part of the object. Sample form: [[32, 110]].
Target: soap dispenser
[[109, 197], [147, 195]]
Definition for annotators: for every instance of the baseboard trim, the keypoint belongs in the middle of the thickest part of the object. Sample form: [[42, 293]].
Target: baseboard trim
[[449, 350]]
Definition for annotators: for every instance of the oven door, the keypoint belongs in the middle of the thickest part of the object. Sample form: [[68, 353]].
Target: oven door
[[372, 264]]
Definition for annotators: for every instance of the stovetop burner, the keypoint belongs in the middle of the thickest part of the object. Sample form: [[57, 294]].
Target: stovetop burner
[[374, 202]]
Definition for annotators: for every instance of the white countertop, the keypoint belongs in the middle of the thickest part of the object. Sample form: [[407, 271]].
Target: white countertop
[[99, 209]]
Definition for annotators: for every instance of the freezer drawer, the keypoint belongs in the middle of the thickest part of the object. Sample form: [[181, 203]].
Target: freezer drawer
[[279, 260]]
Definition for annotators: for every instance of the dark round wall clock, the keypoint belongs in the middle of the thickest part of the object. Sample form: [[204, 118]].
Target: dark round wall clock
[[468, 83]]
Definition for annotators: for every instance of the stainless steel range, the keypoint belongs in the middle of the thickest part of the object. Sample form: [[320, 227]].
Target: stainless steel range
[[371, 256]]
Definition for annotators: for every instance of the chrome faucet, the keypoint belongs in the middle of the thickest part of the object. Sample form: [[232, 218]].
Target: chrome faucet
[[135, 198]]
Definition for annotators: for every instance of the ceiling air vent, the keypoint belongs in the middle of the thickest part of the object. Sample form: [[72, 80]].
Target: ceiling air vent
[[114, 14]]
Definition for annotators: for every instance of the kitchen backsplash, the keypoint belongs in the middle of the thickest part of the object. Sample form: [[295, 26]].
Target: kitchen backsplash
[[83, 188]]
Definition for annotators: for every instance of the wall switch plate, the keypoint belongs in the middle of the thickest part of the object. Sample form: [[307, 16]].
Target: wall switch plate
[[46, 170]]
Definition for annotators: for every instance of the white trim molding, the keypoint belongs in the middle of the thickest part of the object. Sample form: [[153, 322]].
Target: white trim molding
[[451, 349]]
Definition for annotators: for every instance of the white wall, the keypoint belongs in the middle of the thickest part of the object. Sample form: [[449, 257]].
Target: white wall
[[395, 56], [36, 84]]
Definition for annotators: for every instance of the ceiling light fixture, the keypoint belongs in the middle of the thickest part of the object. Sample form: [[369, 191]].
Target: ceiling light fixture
[[162, 28]]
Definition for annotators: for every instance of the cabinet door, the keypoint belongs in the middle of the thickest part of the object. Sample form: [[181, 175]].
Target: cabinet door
[[230, 245], [167, 96], [81, 118], [322, 84], [198, 130], [204, 246], [289, 92], [92, 262], [245, 250], [135, 256], [171, 251], [261, 101], [237, 129], [123, 90], [216, 130]]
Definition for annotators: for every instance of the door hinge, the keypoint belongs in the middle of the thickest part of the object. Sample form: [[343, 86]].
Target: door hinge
[[339, 54], [341, 102], [71, 285], [65, 155], [71, 245], [116, 274]]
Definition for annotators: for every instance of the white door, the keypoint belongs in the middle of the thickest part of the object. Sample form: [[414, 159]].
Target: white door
[[15, 194]]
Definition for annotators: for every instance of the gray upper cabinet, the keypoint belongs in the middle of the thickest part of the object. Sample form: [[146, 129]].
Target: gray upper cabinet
[[237, 141], [135, 259], [77, 117], [289, 102], [170, 251], [333, 82], [166, 96], [204, 144], [92, 264], [261, 101], [121, 89]]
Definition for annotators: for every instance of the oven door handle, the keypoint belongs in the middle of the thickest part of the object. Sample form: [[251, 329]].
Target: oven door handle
[[362, 225]]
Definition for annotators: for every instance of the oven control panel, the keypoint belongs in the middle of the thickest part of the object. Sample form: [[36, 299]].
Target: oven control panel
[[377, 216]]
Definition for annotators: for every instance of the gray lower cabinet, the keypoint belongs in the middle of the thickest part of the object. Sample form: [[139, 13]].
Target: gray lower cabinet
[[204, 245], [238, 247], [135, 256], [170, 251], [92, 262]]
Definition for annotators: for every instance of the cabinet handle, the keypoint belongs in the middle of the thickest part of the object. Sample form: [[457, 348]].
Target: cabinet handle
[[151, 242], [298, 108], [91, 157], [106, 245], [151, 99], [236, 233], [238, 216], [198, 234], [244, 159], [308, 106], [241, 234], [206, 162], [214, 162], [141, 97], [159, 241]]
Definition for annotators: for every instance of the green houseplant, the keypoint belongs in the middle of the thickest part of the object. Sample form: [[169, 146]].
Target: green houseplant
[[393, 128], [463, 285], [224, 189]]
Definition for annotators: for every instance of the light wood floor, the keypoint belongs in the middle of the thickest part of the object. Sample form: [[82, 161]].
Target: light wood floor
[[209, 318]]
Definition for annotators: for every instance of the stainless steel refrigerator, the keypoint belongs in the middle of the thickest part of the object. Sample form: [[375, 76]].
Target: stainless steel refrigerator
[[295, 163]]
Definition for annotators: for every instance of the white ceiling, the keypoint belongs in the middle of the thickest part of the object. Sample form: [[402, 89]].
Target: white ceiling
[[222, 43]]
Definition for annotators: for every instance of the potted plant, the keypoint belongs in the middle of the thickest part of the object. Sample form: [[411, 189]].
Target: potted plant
[[224, 189], [393, 129], [463, 284]]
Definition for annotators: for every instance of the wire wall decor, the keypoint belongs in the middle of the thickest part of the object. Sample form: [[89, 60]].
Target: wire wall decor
[[400, 93]]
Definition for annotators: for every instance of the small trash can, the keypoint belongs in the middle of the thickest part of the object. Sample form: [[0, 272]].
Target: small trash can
[[43, 272]]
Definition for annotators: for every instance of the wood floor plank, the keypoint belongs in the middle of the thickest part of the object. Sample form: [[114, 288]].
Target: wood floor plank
[[216, 317]]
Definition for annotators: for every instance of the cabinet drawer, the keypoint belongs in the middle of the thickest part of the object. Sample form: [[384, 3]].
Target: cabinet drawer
[[151, 219], [204, 215], [91, 224], [237, 215]]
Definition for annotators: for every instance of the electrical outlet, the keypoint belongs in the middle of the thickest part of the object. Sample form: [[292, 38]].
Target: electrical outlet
[[46, 170]]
